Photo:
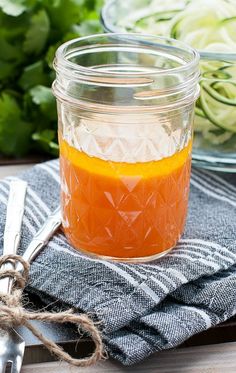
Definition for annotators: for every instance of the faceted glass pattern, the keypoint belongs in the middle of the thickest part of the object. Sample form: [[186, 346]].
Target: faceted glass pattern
[[124, 210]]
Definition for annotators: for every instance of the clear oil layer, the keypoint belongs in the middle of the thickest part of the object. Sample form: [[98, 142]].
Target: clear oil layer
[[124, 210]]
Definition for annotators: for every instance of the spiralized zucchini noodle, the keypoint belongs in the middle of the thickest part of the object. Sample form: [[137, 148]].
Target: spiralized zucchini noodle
[[208, 26]]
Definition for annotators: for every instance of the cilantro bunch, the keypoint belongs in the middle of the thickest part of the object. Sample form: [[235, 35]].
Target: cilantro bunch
[[30, 32]]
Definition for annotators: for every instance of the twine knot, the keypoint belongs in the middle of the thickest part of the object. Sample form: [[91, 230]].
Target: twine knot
[[10, 317], [13, 314]]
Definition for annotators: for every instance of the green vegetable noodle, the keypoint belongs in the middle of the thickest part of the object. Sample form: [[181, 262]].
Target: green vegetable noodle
[[30, 33], [209, 26]]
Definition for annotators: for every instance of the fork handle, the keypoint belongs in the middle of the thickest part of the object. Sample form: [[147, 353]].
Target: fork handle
[[12, 232], [41, 238], [43, 235]]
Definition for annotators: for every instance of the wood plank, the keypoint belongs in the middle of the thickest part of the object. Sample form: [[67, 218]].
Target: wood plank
[[26, 160], [204, 359]]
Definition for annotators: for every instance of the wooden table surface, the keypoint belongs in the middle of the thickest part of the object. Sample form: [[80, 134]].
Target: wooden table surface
[[213, 358]]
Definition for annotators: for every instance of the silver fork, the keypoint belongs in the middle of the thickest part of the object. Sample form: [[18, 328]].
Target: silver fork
[[42, 237], [12, 345]]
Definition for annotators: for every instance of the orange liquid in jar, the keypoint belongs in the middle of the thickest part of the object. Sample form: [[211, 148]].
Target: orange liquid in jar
[[124, 210]]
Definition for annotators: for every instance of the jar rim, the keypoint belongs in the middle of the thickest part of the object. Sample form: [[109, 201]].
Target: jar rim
[[162, 70], [61, 61]]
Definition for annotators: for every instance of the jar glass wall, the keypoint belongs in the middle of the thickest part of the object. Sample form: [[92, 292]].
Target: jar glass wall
[[125, 111]]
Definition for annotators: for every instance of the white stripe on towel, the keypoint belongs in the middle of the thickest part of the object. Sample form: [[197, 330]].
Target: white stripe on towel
[[49, 171], [214, 188], [213, 194], [216, 180]]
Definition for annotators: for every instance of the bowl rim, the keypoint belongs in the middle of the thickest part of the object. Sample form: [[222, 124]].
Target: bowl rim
[[109, 27]]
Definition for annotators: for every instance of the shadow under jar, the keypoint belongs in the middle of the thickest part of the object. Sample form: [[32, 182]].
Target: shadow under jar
[[125, 112]]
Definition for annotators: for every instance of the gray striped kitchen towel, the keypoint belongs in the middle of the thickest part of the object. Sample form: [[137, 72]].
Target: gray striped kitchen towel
[[147, 307]]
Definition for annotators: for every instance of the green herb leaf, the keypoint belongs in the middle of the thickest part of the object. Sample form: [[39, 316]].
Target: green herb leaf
[[30, 33], [43, 97], [47, 140], [9, 52], [12, 7], [7, 71], [91, 26], [15, 133], [36, 36], [33, 75], [64, 14]]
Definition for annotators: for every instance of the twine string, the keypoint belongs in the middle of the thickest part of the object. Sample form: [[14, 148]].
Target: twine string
[[12, 314]]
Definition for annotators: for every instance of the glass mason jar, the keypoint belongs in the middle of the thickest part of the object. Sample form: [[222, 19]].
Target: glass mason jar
[[125, 112]]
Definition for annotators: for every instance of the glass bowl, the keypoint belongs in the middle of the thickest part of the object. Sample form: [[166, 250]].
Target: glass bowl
[[215, 114]]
